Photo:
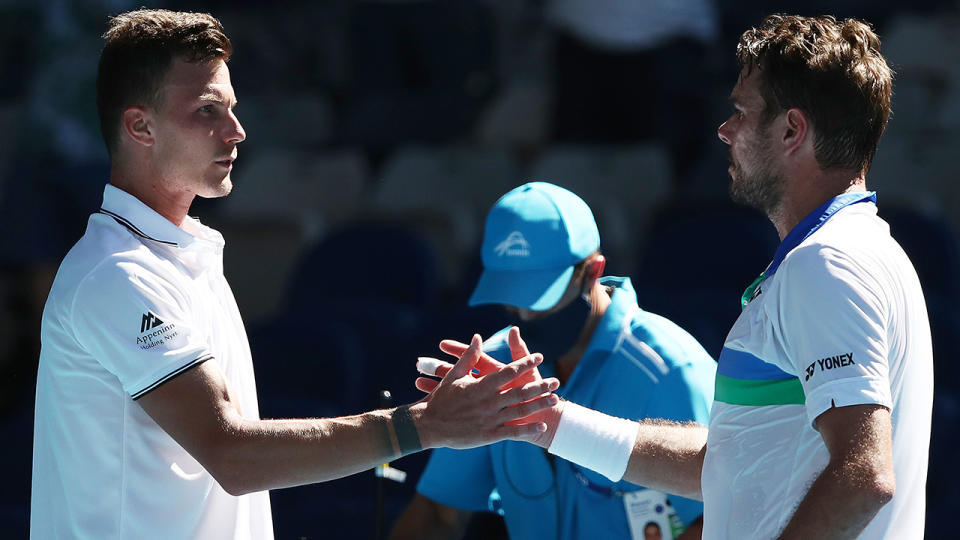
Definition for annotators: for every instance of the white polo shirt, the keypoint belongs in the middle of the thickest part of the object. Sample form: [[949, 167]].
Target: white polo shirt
[[841, 322], [136, 302]]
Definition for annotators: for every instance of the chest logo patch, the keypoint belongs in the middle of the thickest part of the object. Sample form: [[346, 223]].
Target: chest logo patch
[[828, 363]]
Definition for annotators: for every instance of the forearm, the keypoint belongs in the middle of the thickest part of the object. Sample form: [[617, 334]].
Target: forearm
[[840, 504], [663, 455], [668, 456], [267, 454], [858, 480], [198, 411]]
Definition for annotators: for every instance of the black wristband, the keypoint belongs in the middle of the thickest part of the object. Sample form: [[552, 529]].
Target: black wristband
[[407, 437]]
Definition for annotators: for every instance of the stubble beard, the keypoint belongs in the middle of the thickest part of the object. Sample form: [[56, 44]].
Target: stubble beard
[[761, 188]]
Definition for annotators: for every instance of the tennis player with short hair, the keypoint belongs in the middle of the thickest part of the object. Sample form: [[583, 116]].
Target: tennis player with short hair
[[146, 421], [821, 420]]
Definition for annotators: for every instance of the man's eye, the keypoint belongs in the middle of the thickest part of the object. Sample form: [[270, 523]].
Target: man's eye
[[206, 109]]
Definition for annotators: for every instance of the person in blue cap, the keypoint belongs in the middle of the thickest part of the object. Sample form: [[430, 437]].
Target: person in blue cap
[[542, 261]]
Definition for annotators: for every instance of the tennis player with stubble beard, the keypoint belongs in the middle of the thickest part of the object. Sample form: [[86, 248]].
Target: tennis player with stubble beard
[[820, 426]]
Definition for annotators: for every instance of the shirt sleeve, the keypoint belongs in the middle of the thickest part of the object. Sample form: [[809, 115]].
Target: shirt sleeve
[[459, 478], [833, 320], [138, 325]]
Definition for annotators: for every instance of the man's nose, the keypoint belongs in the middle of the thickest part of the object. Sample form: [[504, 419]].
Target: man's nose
[[722, 132]]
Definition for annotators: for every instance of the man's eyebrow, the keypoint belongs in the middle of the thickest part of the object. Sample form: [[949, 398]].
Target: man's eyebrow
[[210, 96], [215, 97]]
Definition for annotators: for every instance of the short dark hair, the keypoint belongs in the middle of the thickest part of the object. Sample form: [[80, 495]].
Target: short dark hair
[[833, 71], [140, 46]]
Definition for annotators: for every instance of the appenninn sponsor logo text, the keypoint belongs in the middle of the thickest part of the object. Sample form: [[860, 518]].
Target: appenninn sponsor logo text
[[153, 331]]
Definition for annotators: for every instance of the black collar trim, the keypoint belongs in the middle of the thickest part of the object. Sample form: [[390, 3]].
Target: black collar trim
[[134, 229]]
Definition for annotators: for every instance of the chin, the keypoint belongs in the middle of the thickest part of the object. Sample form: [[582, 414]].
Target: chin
[[220, 189]]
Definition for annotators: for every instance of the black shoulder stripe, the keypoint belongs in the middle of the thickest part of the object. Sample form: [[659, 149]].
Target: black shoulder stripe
[[133, 228], [170, 376]]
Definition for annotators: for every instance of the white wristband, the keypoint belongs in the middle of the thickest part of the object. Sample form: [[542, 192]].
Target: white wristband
[[594, 440]]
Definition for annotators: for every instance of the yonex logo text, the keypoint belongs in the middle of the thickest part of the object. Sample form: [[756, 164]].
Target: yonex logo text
[[515, 245], [830, 362]]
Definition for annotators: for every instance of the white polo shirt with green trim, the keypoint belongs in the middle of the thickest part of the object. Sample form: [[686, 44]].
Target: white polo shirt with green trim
[[839, 320], [136, 302]]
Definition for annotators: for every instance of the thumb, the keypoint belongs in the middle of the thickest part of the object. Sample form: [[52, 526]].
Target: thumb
[[518, 347]]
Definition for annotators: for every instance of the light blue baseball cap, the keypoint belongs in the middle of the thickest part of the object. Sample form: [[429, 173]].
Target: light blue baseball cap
[[534, 236]]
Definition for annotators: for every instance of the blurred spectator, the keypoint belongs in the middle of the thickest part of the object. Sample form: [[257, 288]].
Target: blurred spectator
[[421, 70], [629, 70]]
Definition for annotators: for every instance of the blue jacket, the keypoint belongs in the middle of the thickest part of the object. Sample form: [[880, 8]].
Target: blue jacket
[[637, 365]]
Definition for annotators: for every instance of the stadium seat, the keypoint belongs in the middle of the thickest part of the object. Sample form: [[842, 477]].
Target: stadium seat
[[714, 246], [280, 121], [943, 498], [444, 192], [932, 245], [383, 281], [433, 177], [621, 184], [308, 366], [368, 261], [314, 189], [277, 242], [421, 71]]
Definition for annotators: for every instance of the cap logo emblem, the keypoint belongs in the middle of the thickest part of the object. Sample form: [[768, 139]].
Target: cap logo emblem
[[515, 245]]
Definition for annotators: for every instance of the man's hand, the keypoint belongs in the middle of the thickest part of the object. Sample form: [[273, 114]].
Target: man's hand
[[485, 365], [464, 410]]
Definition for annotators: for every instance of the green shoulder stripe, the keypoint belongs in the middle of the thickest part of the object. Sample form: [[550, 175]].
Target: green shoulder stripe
[[757, 393]]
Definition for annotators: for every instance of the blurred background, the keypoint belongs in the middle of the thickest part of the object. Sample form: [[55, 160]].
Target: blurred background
[[378, 135]]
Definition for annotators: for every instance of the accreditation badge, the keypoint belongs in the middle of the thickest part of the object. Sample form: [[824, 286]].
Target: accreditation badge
[[651, 516]]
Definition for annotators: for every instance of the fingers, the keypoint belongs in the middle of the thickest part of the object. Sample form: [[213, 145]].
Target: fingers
[[528, 391], [513, 370], [485, 364], [433, 367], [522, 432], [516, 412], [453, 347], [425, 384], [518, 348], [468, 359]]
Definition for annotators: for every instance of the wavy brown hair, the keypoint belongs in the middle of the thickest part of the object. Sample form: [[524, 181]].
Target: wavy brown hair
[[831, 70], [140, 46]]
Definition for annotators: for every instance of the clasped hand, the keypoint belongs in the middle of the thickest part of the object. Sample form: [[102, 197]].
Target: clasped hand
[[480, 400]]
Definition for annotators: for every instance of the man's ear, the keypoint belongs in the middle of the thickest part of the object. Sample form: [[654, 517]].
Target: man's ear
[[797, 130], [138, 126], [595, 268]]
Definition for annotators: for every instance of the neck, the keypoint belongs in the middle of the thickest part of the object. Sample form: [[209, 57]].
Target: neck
[[599, 302], [806, 192], [148, 187]]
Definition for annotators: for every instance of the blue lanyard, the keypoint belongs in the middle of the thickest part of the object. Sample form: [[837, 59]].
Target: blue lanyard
[[802, 231], [609, 491]]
